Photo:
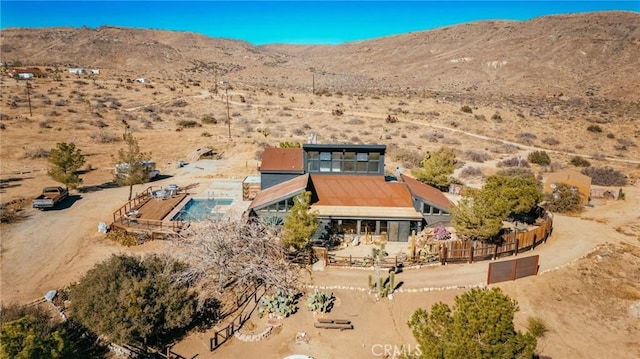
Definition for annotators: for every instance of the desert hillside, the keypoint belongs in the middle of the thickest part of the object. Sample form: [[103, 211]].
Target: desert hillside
[[590, 55]]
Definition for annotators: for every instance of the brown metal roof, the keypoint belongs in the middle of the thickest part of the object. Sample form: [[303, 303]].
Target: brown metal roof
[[280, 191], [359, 190], [282, 159], [428, 193]]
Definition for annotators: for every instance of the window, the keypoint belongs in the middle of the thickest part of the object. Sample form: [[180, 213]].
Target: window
[[362, 157], [368, 226], [426, 209], [349, 226], [325, 156]]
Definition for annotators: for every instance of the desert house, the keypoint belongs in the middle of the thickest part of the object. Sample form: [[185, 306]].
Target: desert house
[[25, 75], [95, 72], [572, 178], [349, 191], [77, 71]]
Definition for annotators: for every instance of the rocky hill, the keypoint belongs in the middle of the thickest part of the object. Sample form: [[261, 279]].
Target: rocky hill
[[584, 55]]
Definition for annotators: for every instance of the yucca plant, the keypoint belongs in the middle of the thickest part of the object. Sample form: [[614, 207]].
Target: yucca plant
[[320, 301]]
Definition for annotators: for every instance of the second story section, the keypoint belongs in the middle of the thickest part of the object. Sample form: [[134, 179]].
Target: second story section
[[344, 159]]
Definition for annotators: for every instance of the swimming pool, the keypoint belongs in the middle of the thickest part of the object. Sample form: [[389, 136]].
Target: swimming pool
[[200, 209]]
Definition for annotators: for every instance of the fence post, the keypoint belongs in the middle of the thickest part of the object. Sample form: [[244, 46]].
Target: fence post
[[396, 263], [443, 254], [471, 254], [533, 243], [517, 246], [349, 260], [495, 252]]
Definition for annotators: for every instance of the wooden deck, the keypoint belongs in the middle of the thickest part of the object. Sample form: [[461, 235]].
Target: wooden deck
[[158, 209], [146, 214]]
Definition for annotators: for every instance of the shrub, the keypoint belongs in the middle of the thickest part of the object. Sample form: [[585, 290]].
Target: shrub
[[579, 162], [471, 172], [209, 120], [513, 162], [605, 176], [536, 327], [550, 141], [477, 156], [122, 237], [206, 134], [281, 304], [409, 158], [466, 109], [188, 123], [34, 153], [594, 128], [102, 136], [320, 302], [12, 211], [355, 121], [539, 157], [497, 117]]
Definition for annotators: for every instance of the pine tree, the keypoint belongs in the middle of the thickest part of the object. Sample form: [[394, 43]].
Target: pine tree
[[301, 223], [130, 166], [480, 325], [66, 160], [437, 168]]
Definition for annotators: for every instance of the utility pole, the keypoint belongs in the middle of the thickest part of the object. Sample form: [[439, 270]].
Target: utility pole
[[29, 99], [313, 83], [226, 92]]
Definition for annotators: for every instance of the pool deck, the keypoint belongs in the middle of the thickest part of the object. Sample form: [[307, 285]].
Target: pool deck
[[158, 209]]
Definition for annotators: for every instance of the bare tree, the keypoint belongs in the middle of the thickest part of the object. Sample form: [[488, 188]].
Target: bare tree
[[232, 251]]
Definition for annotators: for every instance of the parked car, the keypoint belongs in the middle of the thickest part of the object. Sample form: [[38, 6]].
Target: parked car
[[50, 197]]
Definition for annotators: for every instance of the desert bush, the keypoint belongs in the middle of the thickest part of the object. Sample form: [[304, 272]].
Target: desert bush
[[611, 135], [497, 117], [540, 158], [527, 136], [477, 156], [209, 119], [206, 134], [12, 211], [188, 123], [34, 153], [3, 126], [179, 103], [550, 141], [480, 117], [122, 237], [471, 171], [513, 162], [466, 109], [626, 142], [60, 103], [103, 136], [579, 162], [99, 123], [409, 158], [44, 124], [537, 327], [594, 128], [605, 176], [391, 119]]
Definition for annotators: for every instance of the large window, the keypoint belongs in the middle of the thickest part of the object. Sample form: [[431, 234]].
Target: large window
[[343, 161]]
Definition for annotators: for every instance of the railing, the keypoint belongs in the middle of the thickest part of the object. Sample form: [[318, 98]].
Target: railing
[[251, 300], [452, 251]]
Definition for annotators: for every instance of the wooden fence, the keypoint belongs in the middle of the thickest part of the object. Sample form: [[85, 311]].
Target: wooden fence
[[512, 269], [246, 305], [452, 251]]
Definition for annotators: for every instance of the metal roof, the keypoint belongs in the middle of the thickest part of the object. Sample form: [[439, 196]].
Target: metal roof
[[358, 190], [280, 192], [282, 160], [428, 193]]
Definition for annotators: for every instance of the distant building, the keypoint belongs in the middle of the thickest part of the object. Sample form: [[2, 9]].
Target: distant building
[[25, 75], [95, 72], [77, 71]]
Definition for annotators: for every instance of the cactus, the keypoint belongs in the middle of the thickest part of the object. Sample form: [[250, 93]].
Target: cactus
[[392, 277], [281, 303], [320, 301], [371, 285]]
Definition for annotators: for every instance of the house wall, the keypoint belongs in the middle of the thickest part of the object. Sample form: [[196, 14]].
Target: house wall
[[271, 179], [344, 159], [431, 214]]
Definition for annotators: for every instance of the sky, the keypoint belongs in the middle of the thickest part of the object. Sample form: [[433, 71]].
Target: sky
[[292, 22]]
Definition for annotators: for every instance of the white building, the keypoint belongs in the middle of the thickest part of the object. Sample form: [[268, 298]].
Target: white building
[[77, 70]]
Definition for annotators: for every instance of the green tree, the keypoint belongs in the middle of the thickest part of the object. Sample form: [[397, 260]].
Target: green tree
[[539, 157], [130, 165], [437, 168], [129, 300], [66, 160], [480, 325], [477, 219], [29, 333], [515, 193], [564, 199], [301, 223]]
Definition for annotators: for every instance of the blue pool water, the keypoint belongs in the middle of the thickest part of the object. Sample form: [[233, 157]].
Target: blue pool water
[[200, 209]]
